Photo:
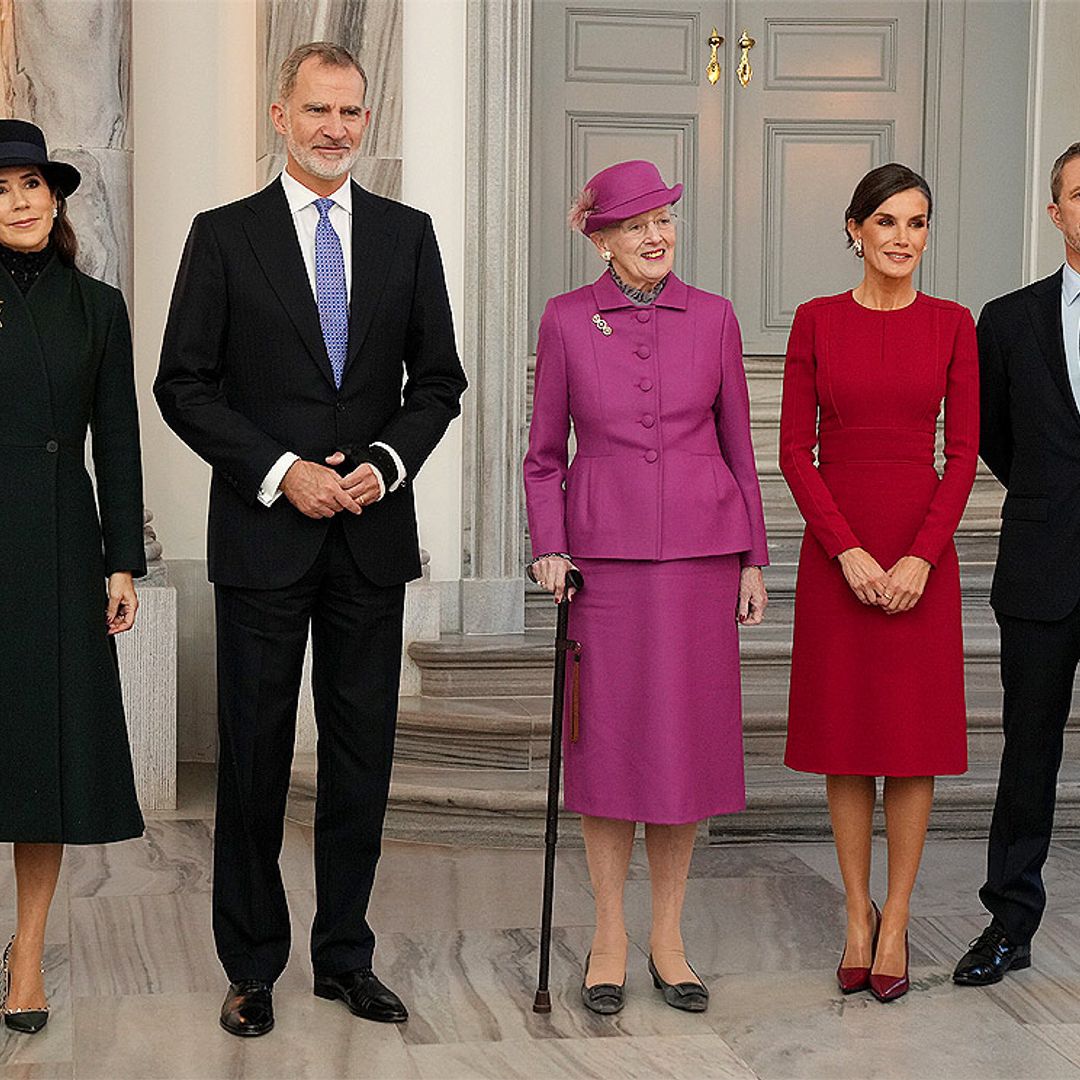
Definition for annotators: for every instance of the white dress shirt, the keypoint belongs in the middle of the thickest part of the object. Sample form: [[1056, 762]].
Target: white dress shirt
[[305, 216], [1070, 325]]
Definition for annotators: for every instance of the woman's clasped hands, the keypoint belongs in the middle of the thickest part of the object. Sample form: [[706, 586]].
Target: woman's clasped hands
[[895, 590]]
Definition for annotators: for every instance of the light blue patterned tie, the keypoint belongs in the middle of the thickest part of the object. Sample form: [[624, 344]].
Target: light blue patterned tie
[[333, 297]]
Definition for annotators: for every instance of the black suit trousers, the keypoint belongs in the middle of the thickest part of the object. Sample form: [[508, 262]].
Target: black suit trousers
[[356, 635], [1038, 667]]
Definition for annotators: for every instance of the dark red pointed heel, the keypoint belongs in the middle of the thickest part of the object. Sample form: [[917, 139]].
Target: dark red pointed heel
[[852, 980], [891, 987]]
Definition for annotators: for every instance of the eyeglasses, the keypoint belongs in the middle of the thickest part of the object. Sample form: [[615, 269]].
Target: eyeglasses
[[665, 222]]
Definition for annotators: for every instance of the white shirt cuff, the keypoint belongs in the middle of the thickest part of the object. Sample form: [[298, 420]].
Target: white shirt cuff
[[379, 477], [397, 461], [271, 485]]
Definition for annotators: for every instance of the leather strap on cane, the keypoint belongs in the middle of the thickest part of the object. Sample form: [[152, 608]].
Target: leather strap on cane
[[571, 646]]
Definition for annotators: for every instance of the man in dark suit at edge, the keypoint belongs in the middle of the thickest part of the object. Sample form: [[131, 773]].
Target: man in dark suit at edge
[[1029, 361], [296, 316]]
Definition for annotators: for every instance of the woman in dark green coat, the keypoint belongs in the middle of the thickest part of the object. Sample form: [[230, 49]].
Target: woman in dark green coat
[[65, 579]]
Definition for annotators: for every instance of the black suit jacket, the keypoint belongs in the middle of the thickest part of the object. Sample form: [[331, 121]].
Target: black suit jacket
[[245, 377], [1030, 439]]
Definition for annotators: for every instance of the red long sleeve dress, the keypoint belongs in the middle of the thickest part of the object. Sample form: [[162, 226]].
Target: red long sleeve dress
[[876, 694]]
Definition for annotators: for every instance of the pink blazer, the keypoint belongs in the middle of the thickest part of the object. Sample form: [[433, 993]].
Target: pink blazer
[[664, 467]]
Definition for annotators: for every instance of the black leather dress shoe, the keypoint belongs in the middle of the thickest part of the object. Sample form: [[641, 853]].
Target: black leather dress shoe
[[363, 994], [989, 956], [248, 1009]]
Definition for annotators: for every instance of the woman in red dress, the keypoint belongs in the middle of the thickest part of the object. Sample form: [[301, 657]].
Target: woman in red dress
[[877, 679]]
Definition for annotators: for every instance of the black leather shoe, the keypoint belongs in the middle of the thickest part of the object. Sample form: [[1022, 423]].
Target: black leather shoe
[[603, 998], [363, 994], [989, 956], [688, 996], [248, 1009]]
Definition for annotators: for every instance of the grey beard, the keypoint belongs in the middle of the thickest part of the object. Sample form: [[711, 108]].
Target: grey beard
[[324, 170]]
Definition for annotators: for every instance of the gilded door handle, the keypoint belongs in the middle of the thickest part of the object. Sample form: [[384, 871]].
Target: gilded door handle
[[744, 71], [712, 72]]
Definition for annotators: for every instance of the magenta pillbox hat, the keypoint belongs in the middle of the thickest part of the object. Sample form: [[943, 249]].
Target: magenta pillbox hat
[[619, 192]]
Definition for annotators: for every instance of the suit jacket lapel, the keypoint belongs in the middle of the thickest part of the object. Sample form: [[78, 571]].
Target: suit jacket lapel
[[273, 239], [373, 246], [1044, 307]]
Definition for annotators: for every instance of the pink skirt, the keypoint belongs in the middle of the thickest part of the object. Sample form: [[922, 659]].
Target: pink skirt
[[660, 699]]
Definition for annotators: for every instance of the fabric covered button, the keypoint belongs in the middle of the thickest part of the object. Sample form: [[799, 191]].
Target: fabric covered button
[[644, 316], [648, 420], [645, 384], [644, 352], [651, 456], [52, 446]]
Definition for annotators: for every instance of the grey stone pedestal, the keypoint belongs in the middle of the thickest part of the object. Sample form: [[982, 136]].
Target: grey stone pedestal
[[148, 677]]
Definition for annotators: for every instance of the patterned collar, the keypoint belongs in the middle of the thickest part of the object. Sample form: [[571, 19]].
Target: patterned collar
[[25, 266], [641, 297]]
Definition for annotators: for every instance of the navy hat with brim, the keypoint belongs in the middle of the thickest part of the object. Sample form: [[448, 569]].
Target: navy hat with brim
[[23, 143]]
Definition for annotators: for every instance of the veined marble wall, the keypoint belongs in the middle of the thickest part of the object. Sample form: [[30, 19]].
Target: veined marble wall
[[371, 31], [64, 66]]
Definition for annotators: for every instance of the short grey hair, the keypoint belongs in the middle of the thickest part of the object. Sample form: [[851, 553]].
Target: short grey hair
[[327, 52], [1056, 170]]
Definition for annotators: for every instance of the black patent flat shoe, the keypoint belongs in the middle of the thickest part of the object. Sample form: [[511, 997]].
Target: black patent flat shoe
[[23, 1021], [688, 996], [248, 1009], [603, 998], [364, 996]]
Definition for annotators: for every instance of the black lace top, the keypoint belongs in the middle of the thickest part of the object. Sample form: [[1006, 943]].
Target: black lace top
[[25, 266]]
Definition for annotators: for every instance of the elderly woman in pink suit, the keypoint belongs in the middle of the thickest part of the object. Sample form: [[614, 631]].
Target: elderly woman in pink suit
[[661, 511]]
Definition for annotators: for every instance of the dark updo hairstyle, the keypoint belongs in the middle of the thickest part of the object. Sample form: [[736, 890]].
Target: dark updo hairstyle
[[879, 185], [63, 233]]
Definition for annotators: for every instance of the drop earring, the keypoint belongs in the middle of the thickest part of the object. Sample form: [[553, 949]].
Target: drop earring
[[858, 248], [55, 211]]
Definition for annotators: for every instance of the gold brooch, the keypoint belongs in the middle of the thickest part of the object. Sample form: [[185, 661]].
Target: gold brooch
[[601, 325]]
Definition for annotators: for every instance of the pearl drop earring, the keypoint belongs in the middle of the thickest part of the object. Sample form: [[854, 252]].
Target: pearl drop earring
[[858, 248], [55, 211]]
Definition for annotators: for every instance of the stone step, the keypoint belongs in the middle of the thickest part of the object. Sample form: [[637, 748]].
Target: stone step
[[514, 733], [516, 665], [975, 579], [496, 807]]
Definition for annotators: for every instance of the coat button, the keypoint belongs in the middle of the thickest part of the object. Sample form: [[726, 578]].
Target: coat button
[[644, 352], [644, 316], [646, 385], [651, 456], [648, 420], [52, 446]]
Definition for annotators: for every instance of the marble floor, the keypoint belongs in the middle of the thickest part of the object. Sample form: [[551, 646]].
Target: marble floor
[[136, 987]]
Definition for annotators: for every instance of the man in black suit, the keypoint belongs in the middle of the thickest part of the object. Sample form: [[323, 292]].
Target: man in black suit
[[1029, 359], [298, 313]]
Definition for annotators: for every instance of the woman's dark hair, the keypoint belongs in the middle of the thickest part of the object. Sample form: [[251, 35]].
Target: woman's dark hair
[[879, 185], [63, 233]]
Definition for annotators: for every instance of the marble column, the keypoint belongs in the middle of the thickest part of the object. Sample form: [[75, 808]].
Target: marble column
[[495, 325], [65, 66], [371, 31]]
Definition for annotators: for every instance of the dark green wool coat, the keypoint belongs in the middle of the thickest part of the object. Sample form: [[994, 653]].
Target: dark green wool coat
[[65, 366]]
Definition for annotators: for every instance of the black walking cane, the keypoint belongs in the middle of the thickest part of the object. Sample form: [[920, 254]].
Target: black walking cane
[[563, 645]]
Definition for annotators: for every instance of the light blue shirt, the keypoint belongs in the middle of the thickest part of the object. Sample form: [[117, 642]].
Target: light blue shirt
[[1070, 325]]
